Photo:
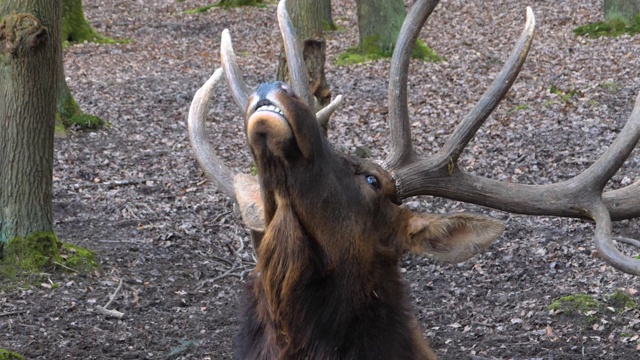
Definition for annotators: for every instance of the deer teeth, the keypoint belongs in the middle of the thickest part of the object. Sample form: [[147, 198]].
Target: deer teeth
[[271, 108]]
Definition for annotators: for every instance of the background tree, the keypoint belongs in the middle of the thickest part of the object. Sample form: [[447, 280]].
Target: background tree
[[30, 61], [379, 23], [75, 29], [309, 28], [625, 10], [620, 17]]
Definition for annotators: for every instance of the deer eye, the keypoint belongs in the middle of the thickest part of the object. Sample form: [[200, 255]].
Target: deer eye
[[373, 181]]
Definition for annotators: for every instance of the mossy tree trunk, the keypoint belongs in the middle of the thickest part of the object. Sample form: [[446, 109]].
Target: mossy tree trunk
[[625, 10], [30, 62], [75, 28], [327, 19], [309, 27], [379, 23]]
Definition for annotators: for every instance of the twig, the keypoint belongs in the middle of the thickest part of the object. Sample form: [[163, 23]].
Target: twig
[[230, 272], [219, 258], [28, 326], [112, 313], [65, 266], [18, 312], [115, 183]]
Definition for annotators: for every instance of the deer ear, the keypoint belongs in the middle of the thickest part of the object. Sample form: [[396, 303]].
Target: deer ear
[[454, 237], [250, 200]]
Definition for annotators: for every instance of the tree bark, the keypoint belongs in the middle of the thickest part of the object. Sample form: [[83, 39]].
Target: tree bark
[[75, 27], [327, 19], [309, 27], [30, 58], [379, 23], [625, 10]]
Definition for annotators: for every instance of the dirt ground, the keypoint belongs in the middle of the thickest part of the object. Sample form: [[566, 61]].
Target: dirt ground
[[134, 194]]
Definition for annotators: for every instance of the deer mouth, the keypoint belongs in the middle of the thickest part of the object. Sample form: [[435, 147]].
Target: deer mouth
[[268, 130], [279, 124]]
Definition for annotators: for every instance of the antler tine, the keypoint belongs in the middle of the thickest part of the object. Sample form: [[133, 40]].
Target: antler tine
[[605, 245], [232, 72], [213, 167], [295, 59], [494, 94], [401, 150], [325, 113], [623, 203], [436, 178]]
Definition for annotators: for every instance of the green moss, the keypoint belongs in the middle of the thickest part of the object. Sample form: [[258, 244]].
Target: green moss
[[60, 130], [620, 300], [369, 50], [519, 108], [586, 307], [226, 4], [423, 52], [327, 26], [78, 258], [610, 28], [564, 96], [576, 306], [611, 86], [200, 9], [70, 114], [9, 355], [84, 121], [76, 28], [237, 3], [42, 250], [39, 250]]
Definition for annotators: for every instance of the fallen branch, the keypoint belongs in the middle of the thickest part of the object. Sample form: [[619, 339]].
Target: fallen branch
[[12, 313], [112, 313], [116, 183], [64, 266]]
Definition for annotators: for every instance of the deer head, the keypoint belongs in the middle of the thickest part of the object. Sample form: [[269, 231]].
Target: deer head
[[330, 226]]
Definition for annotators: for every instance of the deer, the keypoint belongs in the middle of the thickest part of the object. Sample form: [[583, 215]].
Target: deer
[[329, 228]]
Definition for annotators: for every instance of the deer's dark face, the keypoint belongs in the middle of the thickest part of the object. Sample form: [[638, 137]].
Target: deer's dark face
[[340, 205]]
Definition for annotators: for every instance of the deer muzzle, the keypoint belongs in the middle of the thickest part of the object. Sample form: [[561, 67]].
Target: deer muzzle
[[279, 124]]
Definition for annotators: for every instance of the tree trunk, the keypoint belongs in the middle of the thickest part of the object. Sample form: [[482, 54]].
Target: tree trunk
[[327, 19], [379, 23], [75, 28], [625, 10], [309, 27], [30, 59]]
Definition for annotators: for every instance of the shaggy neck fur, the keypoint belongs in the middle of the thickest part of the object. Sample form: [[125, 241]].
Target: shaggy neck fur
[[302, 307]]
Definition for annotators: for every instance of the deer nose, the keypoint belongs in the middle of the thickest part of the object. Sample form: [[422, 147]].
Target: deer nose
[[264, 89], [286, 88]]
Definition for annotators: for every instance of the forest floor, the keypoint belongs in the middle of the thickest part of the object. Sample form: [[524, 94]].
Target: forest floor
[[134, 194]]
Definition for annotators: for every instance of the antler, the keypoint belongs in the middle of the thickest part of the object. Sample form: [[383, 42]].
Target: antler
[[210, 163], [580, 197]]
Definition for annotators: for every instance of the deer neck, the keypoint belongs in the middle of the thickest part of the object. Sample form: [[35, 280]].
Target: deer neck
[[304, 297]]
